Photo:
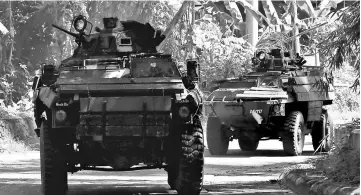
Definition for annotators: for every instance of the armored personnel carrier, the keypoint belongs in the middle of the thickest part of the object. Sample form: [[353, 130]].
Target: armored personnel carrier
[[282, 99], [117, 104]]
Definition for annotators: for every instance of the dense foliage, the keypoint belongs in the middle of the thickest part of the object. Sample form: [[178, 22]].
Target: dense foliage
[[342, 45], [212, 32], [32, 40]]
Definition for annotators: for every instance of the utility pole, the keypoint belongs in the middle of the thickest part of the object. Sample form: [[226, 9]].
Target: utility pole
[[252, 24]]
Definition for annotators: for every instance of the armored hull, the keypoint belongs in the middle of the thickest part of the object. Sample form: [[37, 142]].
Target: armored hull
[[264, 105], [117, 102]]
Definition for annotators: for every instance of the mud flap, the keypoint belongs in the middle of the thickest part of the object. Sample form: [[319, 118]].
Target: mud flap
[[47, 96]]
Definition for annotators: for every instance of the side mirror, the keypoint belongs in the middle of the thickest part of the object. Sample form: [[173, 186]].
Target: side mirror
[[193, 71]]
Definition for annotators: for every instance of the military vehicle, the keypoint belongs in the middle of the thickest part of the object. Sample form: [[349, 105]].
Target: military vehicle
[[117, 104], [282, 99]]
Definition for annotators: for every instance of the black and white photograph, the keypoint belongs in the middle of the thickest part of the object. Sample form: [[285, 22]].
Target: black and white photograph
[[187, 97]]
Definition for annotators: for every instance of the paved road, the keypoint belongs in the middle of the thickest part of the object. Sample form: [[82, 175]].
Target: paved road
[[236, 173]]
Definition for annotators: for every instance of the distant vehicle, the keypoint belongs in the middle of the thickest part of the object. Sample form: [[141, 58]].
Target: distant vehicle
[[117, 102], [280, 100]]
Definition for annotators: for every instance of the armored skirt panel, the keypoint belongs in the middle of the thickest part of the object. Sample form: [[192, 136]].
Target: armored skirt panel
[[134, 116]]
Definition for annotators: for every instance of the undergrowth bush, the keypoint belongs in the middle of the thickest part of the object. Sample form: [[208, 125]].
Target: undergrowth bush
[[346, 100], [346, 104], [343, 163], [10, 144], [15, 126]]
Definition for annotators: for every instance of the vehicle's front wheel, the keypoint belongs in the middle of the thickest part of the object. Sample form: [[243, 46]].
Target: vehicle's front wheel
[[173, 157], [323, 133], [293, 136], [54, 177], [190, 167], [247, 143], [216, 141], [172, 174]]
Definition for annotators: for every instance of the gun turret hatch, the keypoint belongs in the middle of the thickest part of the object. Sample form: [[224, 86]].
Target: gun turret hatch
[[117, 38]]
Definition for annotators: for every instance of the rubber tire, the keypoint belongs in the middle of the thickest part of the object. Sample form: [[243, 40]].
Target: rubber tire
[[54, 176], [247, 144], [172, 171], [172, 178], [190, 167], [321, 129], [217, 144], [293, 129], [173, 157]]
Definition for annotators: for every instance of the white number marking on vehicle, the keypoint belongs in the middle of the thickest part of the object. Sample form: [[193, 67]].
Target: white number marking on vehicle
[[256, 111]]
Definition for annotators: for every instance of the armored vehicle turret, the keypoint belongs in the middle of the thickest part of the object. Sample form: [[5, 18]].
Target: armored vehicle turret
[[116, 102], [282, 99]]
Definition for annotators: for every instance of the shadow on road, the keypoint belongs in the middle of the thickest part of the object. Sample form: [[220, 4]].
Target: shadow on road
[[119, 189], [237, 153], [257, 188], [20, 166], [21, 176], [254, 188]]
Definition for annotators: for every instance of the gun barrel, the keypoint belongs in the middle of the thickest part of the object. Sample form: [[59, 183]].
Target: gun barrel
[[67, 32]]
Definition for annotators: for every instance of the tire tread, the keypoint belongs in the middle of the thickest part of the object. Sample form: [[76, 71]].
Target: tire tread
[[289, 140], [53, 166], [190, 178]]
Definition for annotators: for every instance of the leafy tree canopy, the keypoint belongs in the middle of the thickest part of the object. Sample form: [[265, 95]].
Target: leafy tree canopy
[[209, 31]]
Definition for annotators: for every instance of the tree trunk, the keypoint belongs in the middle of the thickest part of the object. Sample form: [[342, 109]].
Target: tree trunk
[[3, 34], [296, 42], [11, 27], [252, 24], [2, 57], [174, 22], [189, 30]]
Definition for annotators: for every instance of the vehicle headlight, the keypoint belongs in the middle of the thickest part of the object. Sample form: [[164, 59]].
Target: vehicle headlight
[[184, 112], [60, 116], [261, 56], [80, 23]]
